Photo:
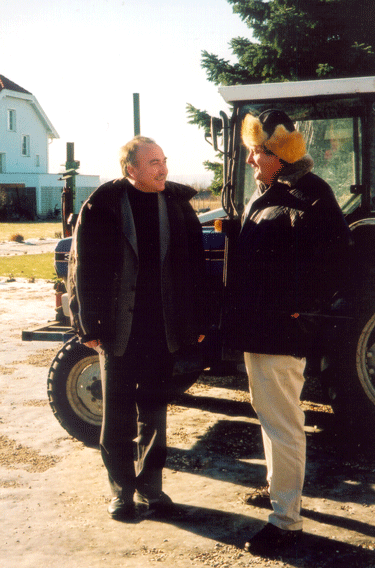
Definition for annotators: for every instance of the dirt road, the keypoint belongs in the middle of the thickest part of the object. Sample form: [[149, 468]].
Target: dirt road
[[54, 490]]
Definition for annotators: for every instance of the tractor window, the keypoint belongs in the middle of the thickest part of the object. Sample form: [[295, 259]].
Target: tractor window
[[335, 146], [248, 181]]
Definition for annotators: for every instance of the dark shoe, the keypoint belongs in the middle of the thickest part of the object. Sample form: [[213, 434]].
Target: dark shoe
[[121, 510], [272, 540], [259, 497], [160, 504]]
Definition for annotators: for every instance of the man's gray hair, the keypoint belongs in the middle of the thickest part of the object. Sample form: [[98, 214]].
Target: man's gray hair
[[128, 153]]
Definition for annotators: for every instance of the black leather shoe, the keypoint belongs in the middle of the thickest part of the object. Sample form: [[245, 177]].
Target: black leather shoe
[[271, 540], [160, 504], [121, 510]]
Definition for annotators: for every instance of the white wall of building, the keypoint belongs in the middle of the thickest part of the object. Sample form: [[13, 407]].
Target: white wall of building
[[27, 123]]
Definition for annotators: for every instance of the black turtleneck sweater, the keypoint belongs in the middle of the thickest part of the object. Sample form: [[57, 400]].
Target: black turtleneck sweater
[[148, 311]]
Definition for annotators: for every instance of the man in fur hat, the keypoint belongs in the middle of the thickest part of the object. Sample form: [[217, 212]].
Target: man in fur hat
[[292, 243]]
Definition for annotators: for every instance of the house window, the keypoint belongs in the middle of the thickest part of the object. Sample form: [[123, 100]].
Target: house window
[[25, 145], [11, 120], [37, 161], [2, 163]]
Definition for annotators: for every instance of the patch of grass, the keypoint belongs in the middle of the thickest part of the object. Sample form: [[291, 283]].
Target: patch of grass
[[28, 266], [17, 238], [204, 203], [35, 230]]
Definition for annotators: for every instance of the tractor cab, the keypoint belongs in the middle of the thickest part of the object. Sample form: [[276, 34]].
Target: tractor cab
[[337, 120]]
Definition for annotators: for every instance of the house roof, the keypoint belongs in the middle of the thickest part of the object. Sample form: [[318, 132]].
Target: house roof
[[10, 89], [7, 84]]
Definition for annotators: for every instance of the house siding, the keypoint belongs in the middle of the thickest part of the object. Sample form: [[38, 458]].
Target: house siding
[[27, 123]]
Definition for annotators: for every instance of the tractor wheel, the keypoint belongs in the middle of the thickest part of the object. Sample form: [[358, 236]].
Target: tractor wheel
[[352, 392], [75, 391]]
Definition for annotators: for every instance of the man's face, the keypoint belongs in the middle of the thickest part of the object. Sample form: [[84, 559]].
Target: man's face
[[150, 170], [266, 166]]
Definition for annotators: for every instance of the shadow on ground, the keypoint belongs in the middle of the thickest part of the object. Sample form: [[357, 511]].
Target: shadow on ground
[[235, 530]]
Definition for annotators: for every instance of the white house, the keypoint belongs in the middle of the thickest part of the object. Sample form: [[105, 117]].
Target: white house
[[25, 135]]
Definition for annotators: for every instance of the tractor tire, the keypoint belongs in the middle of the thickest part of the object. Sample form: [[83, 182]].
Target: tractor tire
[[75, 392], [352, 392]]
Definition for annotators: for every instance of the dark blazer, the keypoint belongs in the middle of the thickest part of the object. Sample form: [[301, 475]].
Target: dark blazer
[[103, 267], [292, 253]]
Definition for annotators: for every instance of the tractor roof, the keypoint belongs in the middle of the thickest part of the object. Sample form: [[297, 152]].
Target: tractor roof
[[298, 89]]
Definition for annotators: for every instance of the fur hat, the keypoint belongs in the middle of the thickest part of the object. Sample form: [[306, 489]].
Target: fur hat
[[274, 130]]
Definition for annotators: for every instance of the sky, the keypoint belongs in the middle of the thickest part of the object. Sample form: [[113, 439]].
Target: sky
[[84, 59]]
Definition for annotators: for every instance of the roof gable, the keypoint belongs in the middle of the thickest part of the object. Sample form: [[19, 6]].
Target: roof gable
[[10, 89], [7, 84]]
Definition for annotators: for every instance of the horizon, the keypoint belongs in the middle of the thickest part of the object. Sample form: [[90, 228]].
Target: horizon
[[204, 179]]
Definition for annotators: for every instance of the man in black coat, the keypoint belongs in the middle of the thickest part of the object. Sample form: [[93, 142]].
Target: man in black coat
[[292, 248], [135, 284]]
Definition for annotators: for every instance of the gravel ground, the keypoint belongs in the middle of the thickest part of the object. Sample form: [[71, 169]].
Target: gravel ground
[[54, 490]]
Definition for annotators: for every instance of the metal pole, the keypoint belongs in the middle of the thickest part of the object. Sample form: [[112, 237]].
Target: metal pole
[[69, 153], [137, 121], [68, 193]]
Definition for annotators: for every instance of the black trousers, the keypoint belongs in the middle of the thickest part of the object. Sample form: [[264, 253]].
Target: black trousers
[[133, 436]]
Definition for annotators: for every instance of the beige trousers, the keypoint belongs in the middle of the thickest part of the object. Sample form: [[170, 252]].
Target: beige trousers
[[275, 383]]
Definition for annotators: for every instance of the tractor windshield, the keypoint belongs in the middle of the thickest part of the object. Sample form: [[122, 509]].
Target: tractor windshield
[[333, 133]]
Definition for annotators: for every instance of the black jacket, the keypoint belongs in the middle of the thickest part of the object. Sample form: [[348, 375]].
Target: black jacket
[[292, 256], [103, 267]]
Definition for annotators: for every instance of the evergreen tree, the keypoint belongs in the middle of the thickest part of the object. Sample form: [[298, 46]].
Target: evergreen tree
[[294, 40], [203, 120]]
